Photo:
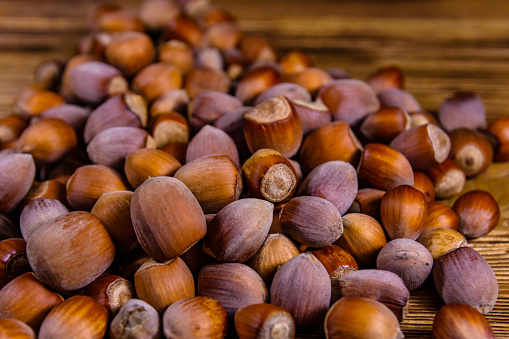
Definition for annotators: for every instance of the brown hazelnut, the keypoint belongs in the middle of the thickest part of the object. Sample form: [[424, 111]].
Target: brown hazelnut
[[264, 321], [273, 124], [367, 201], [77, 316], [274, 252], [471, 150], [49, 248], [384, 168], [162, 283], [214, 180], [363, 237], [89, 182], [156, 79], [403, 210], [146, 163], [151, 215], [461, 321], [424, 184], [333, 141], [269, 175], [347, 319], [385, 124], [111, 291], [16, 329], [130, 51], [448, 179], [478, 213], [386, 77], [197, 317], [13, 259]]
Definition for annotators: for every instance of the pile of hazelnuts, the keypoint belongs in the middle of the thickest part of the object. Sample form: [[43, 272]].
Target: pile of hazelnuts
[[180, 178]]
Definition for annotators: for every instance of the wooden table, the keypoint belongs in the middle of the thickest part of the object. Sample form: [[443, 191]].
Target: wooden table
[[442, 46]]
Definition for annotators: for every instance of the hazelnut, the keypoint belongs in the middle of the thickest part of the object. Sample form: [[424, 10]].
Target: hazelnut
[[120, 110], [311, 78], [448, 179], [197, 317], [136, 319], [349, 100], [89, 182], [168, 128], [52, 244], [130, 51], [471, 150], [302, 287], [146, 163], [464, 276], [212, 141], [478, 213], [14, 328], [156, 79], [333, 141], [269, 175], [383, 286], [287, 89], [209, 106], [214, 180], [264, 321], [425, 146], [367, 201], [203, 79], [363, 237], [151, 214], [384, 168], [77, 316], [335, 181], [439, 241], [234, 285], [274, 252], [312, 221], [48, 140], [111, 146], [37, 213], [385, 124], [399, 98], [408, 259], [177, 53], [347, 319], [162, 283], [462, 110], [461, 321], [386, 77], [111, 291], [424, 184], [13, 259], [27, 299], [312, 115], [403, 210], [238, 230], [440, 216], [255, 82], [273, 124]]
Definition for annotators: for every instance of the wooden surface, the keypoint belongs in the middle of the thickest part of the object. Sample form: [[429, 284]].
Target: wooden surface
[[442, 46]]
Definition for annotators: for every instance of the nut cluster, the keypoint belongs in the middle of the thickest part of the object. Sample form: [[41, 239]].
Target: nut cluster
[[180, 178]]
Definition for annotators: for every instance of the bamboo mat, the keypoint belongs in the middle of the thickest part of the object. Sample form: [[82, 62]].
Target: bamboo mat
[[442, 46]]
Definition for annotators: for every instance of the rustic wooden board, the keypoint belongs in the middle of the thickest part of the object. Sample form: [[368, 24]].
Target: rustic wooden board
[[443, 46]]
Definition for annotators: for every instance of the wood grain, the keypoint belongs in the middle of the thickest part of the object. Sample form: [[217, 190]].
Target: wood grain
[[442, 46]]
